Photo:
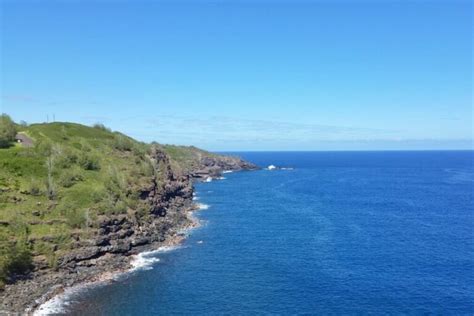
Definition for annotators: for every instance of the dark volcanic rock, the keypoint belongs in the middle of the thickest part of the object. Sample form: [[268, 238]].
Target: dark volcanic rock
[[102, 241], [120, 246], [213, 166], [80, 255], [140, 241]]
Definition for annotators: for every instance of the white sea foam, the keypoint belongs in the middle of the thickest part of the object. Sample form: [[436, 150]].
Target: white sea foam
[[59, 303], [202, 206], [208, 179], [53, 306], [195, 198], [273, 167], [143, 261], [221, 178], [227, 171], [167, 249]]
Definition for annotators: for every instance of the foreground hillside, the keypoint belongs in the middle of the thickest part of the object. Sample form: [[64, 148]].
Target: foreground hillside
[[75, 200]]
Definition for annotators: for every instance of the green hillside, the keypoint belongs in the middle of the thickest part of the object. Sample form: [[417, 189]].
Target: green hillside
[[52, 192]]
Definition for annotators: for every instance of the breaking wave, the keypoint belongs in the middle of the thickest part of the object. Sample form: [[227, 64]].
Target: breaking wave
[[202, 206], [59, 303]]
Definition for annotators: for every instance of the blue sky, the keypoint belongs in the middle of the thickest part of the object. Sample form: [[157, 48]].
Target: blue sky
[[246, 75]]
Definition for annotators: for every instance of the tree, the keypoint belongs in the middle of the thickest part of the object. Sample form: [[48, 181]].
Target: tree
[[50, 190], [7, 131]]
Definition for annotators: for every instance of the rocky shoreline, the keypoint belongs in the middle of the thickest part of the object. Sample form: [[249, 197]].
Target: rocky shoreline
[[102, 274], [117, 238]]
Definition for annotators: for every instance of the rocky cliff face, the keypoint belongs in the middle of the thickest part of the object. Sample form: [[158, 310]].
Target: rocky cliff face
[[213, 166], [114, 238]]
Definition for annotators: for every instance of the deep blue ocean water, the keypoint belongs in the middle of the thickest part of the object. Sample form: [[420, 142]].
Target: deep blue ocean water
[[342, 233]]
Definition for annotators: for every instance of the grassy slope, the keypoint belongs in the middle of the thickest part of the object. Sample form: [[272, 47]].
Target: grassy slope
[[94, 172], [185, 158]]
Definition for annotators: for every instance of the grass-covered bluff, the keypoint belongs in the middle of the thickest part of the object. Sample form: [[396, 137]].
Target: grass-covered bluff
[[53, 192]]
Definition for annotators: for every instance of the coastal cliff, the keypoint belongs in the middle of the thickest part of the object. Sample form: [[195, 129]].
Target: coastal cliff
[[141, 207]]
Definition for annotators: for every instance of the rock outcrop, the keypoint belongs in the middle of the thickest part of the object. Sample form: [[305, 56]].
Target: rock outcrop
[[213, 166]]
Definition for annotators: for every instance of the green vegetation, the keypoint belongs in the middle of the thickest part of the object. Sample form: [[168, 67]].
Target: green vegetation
[[185, 158], [7, 131], [61, 184]]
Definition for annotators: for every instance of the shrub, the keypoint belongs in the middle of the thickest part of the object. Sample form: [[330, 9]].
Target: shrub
[[122, 143], [20, 259], [44, 148], [98, 194], [115, 181], [50, 185], [35, 187], [8, 131], [3, 270], [70, 177], [77, 145], [75, 218], [15, 258], [106, 205], [52, 259], [101, 127], [64, 135], [66, 158], [21, 229], [120, 207], [139, 150], [84, 145], [147, 169], [89, 161]]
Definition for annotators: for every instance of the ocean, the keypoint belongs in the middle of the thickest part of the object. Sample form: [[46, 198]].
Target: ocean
[[337, 233]]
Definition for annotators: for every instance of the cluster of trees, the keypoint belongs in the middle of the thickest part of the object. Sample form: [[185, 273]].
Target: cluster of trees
[[8, 131]]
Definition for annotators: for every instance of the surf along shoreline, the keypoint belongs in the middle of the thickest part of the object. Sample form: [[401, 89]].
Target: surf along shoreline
[[55, 302]]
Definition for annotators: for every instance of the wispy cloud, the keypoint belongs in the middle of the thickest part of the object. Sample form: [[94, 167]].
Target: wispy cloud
[[223, 129], [19, 98]]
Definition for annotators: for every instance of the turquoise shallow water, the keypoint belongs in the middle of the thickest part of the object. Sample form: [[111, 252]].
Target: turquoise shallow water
[[342, 233]]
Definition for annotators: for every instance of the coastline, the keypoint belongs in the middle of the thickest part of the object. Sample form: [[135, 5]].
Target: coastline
[[52, 303], [115, 240]]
